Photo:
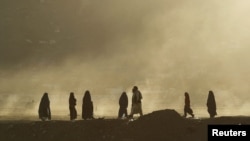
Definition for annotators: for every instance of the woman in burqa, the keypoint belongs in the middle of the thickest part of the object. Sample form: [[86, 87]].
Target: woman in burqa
[[187, 107], [123, 102], [87, 106], [211, 104], [136, 102], [44, 108], [72, 104]]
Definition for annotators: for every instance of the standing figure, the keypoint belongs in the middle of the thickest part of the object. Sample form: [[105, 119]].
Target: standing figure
[[211, 104], [87, 106], [187, 108], [123, 102], [72, 104], [136, 102], [44, 108]]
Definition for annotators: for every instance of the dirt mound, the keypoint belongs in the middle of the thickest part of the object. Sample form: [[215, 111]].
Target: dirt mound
[[161, 116], [159, 125]]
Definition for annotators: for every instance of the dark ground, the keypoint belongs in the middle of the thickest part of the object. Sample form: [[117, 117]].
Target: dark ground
[[157, 126]]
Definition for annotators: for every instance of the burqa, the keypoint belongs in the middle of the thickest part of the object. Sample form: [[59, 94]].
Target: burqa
[[72, 104], [44, 108], [87, 106], [211, 104], [123, 102], [187, 107], [136, 102]]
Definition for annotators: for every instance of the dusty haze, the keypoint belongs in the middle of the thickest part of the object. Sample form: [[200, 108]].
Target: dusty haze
[[165, 47]]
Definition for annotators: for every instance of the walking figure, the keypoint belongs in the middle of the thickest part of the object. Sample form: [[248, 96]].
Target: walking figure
[[87, 106], [136, 102], [72, 104], [211, 104], [123, 102], [44, 108], [187, 107]]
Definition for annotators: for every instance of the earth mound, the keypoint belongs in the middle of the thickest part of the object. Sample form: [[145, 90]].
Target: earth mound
[[158, 125], [161, 116]]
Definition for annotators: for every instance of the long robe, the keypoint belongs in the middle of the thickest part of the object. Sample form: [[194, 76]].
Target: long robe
[[187, 108], [44, 108], [211, 104], [72, 109], [136, 103], [87, 107], [123, 103]]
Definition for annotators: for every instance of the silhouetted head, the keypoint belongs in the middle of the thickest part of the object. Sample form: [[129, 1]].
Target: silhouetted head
[[211, 93], [87, 96], [135, 88], [124, 93], [71, 94], [45, 95], [87, 92], [186, 94]]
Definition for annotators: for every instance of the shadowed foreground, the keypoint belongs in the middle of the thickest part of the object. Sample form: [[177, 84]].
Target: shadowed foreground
[[159, 125]]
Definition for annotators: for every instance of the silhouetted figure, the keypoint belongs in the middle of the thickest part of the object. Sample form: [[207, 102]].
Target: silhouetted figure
[[123, 102], [136, 102], [187, 108], [44, 108], [211, 104], [87, 106], [72, 104]]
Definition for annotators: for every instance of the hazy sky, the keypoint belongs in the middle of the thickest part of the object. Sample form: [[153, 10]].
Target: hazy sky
[[165, 47]]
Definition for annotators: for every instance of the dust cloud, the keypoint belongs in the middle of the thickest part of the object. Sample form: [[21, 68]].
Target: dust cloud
[[164, 47]]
